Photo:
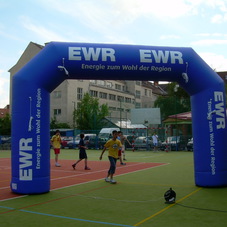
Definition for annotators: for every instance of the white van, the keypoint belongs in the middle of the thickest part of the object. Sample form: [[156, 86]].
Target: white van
[[106, 133]]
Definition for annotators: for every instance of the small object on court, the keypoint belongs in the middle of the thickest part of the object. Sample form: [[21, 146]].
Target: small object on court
[[170, 196]]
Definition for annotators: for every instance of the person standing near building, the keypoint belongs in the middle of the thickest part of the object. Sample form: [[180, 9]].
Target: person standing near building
[[56, 144], [155, 141], [113, 146], [82, 154]]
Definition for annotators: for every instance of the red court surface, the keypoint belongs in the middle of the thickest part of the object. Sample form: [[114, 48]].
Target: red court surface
[[66, 176]]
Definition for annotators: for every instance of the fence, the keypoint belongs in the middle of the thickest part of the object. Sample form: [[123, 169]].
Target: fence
[[141, 138], [133, 136]]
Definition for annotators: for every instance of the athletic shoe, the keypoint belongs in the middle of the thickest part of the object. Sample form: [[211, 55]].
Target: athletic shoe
[[123, 163], [124, 159], [112, 181], [57, 165], [74, 166], [107, 179], [87, 168]]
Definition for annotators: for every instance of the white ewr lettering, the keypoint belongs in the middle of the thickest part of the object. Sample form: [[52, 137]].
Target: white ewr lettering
[[219, 107], [147, 56], [25, 159], [91, 54]]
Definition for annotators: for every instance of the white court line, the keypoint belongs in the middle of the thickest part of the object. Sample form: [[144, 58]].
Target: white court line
[[4, 188], [99, 171]]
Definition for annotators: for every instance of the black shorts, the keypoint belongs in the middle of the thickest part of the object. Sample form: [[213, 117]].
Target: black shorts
[[83, 155]]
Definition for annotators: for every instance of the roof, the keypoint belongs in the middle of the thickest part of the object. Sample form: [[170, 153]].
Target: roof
[[223, 75], [156, 89], [31, 50], [182, 116], [3, 112], [125, 123]]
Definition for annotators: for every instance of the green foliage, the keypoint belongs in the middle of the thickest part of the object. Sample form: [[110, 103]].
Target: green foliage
[[5, 125], [89, 114], [177, 101], [174, 89], [55, 124]]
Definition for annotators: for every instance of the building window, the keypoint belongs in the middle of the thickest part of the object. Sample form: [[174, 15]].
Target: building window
[[138, 82], [101, 82], [93, 81], [112, 97], [108, 84], [57, 94], [102, 95], [128, 100], [118, 87], [138, 105], [112, 108], [94, 93], [120, 98], [150, 93], [138, 94], [57, 112], [120, 109], [79, 93], [145, 92]]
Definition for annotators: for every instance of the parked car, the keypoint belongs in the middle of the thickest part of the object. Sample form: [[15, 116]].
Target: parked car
[[131, 140], [64, 142], [5, 139], [107, 132], [174, 143], [5, 142], [190, 145], [75, 142], [142, 142], [94, 142]]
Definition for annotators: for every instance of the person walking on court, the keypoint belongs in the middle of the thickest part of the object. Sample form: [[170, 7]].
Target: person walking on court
[[82, 154], [56, 144], [120, 150], [113, 146], [122, 138]]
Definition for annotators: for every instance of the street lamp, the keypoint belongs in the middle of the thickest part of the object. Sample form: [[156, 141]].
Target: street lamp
[[175, 90], [74, 107], [120, 100]]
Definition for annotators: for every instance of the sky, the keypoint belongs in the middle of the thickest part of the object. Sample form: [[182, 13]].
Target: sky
[[199, 24]]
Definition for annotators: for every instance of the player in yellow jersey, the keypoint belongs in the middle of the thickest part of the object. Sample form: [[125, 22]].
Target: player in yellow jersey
[[56, 144], [113, 145]]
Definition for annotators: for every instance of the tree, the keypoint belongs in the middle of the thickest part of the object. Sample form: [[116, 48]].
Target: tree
[[5, 125], [177, 101], [89, 113], [54, 124]]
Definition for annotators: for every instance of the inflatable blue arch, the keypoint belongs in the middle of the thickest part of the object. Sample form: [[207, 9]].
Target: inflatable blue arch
[[58, 61]]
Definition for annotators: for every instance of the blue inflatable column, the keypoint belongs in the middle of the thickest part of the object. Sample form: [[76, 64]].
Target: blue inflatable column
[[210, 137], [30, 133]]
